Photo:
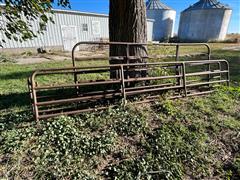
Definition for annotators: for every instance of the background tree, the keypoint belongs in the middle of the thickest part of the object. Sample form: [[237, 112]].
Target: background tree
[[127, 23], [16, 17]]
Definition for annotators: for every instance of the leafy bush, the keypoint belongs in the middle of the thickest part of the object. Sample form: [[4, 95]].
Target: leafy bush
[[129, 122], [64, 137]]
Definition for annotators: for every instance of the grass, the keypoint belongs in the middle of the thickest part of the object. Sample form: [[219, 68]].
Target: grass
[[14, 75], [13, 84], [234, 59], [191, 138], [194, 138], [217, 53], [185, 50]]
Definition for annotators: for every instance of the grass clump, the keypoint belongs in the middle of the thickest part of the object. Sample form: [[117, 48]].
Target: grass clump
[[6, 59], [169, 151], [129, 122]]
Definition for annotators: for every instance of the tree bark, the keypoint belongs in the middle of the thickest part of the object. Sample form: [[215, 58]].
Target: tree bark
[[127, 23]]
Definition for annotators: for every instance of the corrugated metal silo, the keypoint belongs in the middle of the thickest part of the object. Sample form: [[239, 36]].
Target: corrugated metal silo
[[164, 19], [206, 20]]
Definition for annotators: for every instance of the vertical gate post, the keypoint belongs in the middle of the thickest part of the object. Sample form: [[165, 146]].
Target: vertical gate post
[[184, 78], [177, 70], [177, 52], [34, 96], [220, 69], [209, 65], [228, 73], [123, 85]]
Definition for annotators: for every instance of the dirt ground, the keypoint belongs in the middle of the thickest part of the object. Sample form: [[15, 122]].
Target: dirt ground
[[40, 59], [32, 58], [60, 56], [236, 48]]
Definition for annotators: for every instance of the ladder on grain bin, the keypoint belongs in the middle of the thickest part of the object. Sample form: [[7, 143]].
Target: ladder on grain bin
[[91, 88]]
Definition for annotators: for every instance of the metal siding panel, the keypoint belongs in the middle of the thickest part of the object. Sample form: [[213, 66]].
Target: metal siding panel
[[54, 34], [75, 23], [59, 35], [89, 33], [81, 34], [59, 40], [58, 25], [51, 34], [48, 35]]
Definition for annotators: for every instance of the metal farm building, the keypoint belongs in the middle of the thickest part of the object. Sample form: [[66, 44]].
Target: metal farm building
[[206, 20], [69, 28], [164, 19]]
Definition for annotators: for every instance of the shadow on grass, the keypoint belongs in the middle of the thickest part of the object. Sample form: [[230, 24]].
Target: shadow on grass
[[16, 75], [18, 100], [233, 57], [16, 120], [15, 111]]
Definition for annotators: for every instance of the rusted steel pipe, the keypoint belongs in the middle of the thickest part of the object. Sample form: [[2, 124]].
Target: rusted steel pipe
[[79, 84], [142, 45], [207, 83], [120, 89]]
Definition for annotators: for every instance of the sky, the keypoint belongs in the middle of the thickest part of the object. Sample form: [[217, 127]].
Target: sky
[[102, 6]]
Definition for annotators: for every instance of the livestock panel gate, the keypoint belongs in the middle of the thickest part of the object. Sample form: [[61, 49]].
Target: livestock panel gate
[[92, 88]]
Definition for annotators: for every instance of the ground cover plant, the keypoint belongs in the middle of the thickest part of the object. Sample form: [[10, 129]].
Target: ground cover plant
[[193, 138]]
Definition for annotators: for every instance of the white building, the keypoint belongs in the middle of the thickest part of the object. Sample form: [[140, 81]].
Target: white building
[[164, 19], [69, 28], [206, 20]]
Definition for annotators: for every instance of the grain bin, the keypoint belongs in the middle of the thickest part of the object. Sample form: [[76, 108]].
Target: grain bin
[[206, 20], [164, 19]]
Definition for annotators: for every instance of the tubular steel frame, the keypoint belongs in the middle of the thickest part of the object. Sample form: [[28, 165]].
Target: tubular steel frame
[[124, 92], [142, 45], [127, 46], [47, 106]]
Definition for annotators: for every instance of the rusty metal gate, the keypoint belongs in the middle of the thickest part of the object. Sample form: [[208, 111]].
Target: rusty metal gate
[[84, 89]]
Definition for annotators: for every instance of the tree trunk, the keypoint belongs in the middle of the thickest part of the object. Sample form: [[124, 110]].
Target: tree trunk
[[127, 23]]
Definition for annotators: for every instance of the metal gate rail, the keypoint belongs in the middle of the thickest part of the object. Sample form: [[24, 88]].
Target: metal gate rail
[[89, 94], [127, 47], [178, 45], [127, 59]]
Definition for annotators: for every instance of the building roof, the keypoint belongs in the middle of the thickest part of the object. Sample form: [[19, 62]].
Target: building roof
[[67, 11], [207, 4], [79, 12], [155, 5]]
